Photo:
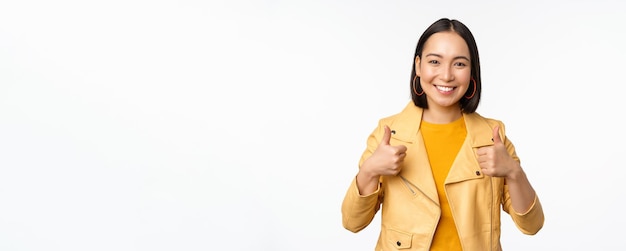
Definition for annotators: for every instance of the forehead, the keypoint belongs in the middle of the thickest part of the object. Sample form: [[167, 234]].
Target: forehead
[[447, 43]]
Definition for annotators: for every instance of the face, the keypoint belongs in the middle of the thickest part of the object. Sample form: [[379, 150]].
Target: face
[[444, 69]]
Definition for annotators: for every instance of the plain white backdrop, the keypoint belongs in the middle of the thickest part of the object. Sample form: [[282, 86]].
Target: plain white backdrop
[[238, 125]]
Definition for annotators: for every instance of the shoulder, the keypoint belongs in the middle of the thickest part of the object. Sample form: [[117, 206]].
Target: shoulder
[[405, 123]]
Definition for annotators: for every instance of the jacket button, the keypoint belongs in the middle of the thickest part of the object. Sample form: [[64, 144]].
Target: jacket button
[[477, 173], [399, 243]]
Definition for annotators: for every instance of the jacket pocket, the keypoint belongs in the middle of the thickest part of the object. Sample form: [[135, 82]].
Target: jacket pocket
[[399, 239]]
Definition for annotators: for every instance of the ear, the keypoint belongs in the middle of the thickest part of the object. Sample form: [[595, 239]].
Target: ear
[[418, 71]]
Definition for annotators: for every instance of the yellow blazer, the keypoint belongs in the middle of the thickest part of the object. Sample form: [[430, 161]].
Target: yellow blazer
[[410, 205]]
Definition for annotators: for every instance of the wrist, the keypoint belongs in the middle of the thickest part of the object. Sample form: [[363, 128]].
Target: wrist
[[516, 174], [367, 176]]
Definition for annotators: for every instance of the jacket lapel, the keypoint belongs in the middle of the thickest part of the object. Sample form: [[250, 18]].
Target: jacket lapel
[[465, 166], [416, 169]]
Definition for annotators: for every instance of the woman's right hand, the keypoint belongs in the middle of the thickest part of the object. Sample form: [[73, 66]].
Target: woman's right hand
[[386, 159]]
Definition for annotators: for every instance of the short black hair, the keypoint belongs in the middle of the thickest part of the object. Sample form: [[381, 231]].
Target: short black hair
[[442, 25]]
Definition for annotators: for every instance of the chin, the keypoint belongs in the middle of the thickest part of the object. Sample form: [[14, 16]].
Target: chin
[[446, 102]]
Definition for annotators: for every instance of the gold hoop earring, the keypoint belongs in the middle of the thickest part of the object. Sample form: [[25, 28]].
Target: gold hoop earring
[[474, 92], [414, 88]]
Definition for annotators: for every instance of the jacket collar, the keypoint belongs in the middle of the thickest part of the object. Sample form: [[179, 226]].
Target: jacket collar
[[408, 121]]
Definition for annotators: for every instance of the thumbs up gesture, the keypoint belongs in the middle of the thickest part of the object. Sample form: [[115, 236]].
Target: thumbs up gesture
[[494, 160], [386, 159]]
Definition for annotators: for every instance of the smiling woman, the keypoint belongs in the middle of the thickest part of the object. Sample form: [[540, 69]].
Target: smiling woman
[[190, 125], [440, 170]]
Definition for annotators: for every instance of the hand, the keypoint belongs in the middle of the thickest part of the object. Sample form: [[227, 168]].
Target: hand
[[386, 159], [494, 160]]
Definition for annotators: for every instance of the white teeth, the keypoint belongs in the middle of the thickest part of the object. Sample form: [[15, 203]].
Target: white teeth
[[445, 89]]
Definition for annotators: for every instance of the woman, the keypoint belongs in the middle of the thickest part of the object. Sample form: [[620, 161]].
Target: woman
[[440, 170]]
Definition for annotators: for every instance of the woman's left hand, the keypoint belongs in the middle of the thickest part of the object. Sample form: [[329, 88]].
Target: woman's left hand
[[494, 160]]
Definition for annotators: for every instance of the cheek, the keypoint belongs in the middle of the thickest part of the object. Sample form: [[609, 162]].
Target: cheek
[[427, 74], [465, 78], [467, 81]]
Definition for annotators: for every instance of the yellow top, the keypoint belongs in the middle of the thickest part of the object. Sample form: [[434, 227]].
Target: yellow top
[[443, 142]]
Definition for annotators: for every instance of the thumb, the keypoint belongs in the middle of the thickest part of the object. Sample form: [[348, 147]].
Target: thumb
[[386, 136], [496, 135]]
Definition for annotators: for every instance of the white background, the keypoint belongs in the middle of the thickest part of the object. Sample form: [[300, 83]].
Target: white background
[[238, 125]]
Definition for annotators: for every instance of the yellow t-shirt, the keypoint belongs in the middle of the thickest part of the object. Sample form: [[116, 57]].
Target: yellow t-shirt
[[443, 142]]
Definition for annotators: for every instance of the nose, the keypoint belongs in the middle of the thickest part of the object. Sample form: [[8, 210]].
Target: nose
[[447, 74]]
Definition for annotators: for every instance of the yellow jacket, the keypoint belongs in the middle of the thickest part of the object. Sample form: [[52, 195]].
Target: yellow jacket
[[410, 205]]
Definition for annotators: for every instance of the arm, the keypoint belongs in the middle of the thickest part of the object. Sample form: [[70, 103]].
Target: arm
[[520, 199], [522, 203], [357, 210], [364, 196], [521, 193]]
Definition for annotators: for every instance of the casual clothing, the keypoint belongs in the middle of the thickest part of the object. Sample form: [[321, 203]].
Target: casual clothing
[[410, 204]]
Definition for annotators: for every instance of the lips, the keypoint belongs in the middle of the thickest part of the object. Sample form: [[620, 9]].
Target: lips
[[445, 88]]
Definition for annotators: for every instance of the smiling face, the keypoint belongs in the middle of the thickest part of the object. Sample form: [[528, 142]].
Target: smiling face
[[444, 70]]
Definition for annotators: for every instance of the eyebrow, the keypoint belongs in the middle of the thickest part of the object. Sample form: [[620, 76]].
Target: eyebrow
[[455, 58]]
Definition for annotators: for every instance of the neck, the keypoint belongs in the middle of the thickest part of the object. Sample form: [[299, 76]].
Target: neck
[[441, 115]]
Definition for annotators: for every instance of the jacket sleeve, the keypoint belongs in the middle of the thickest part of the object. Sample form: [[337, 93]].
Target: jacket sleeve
[[358, 210], [531, 221]]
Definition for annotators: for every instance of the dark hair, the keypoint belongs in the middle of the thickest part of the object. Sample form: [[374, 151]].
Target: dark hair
[[441, 25]]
